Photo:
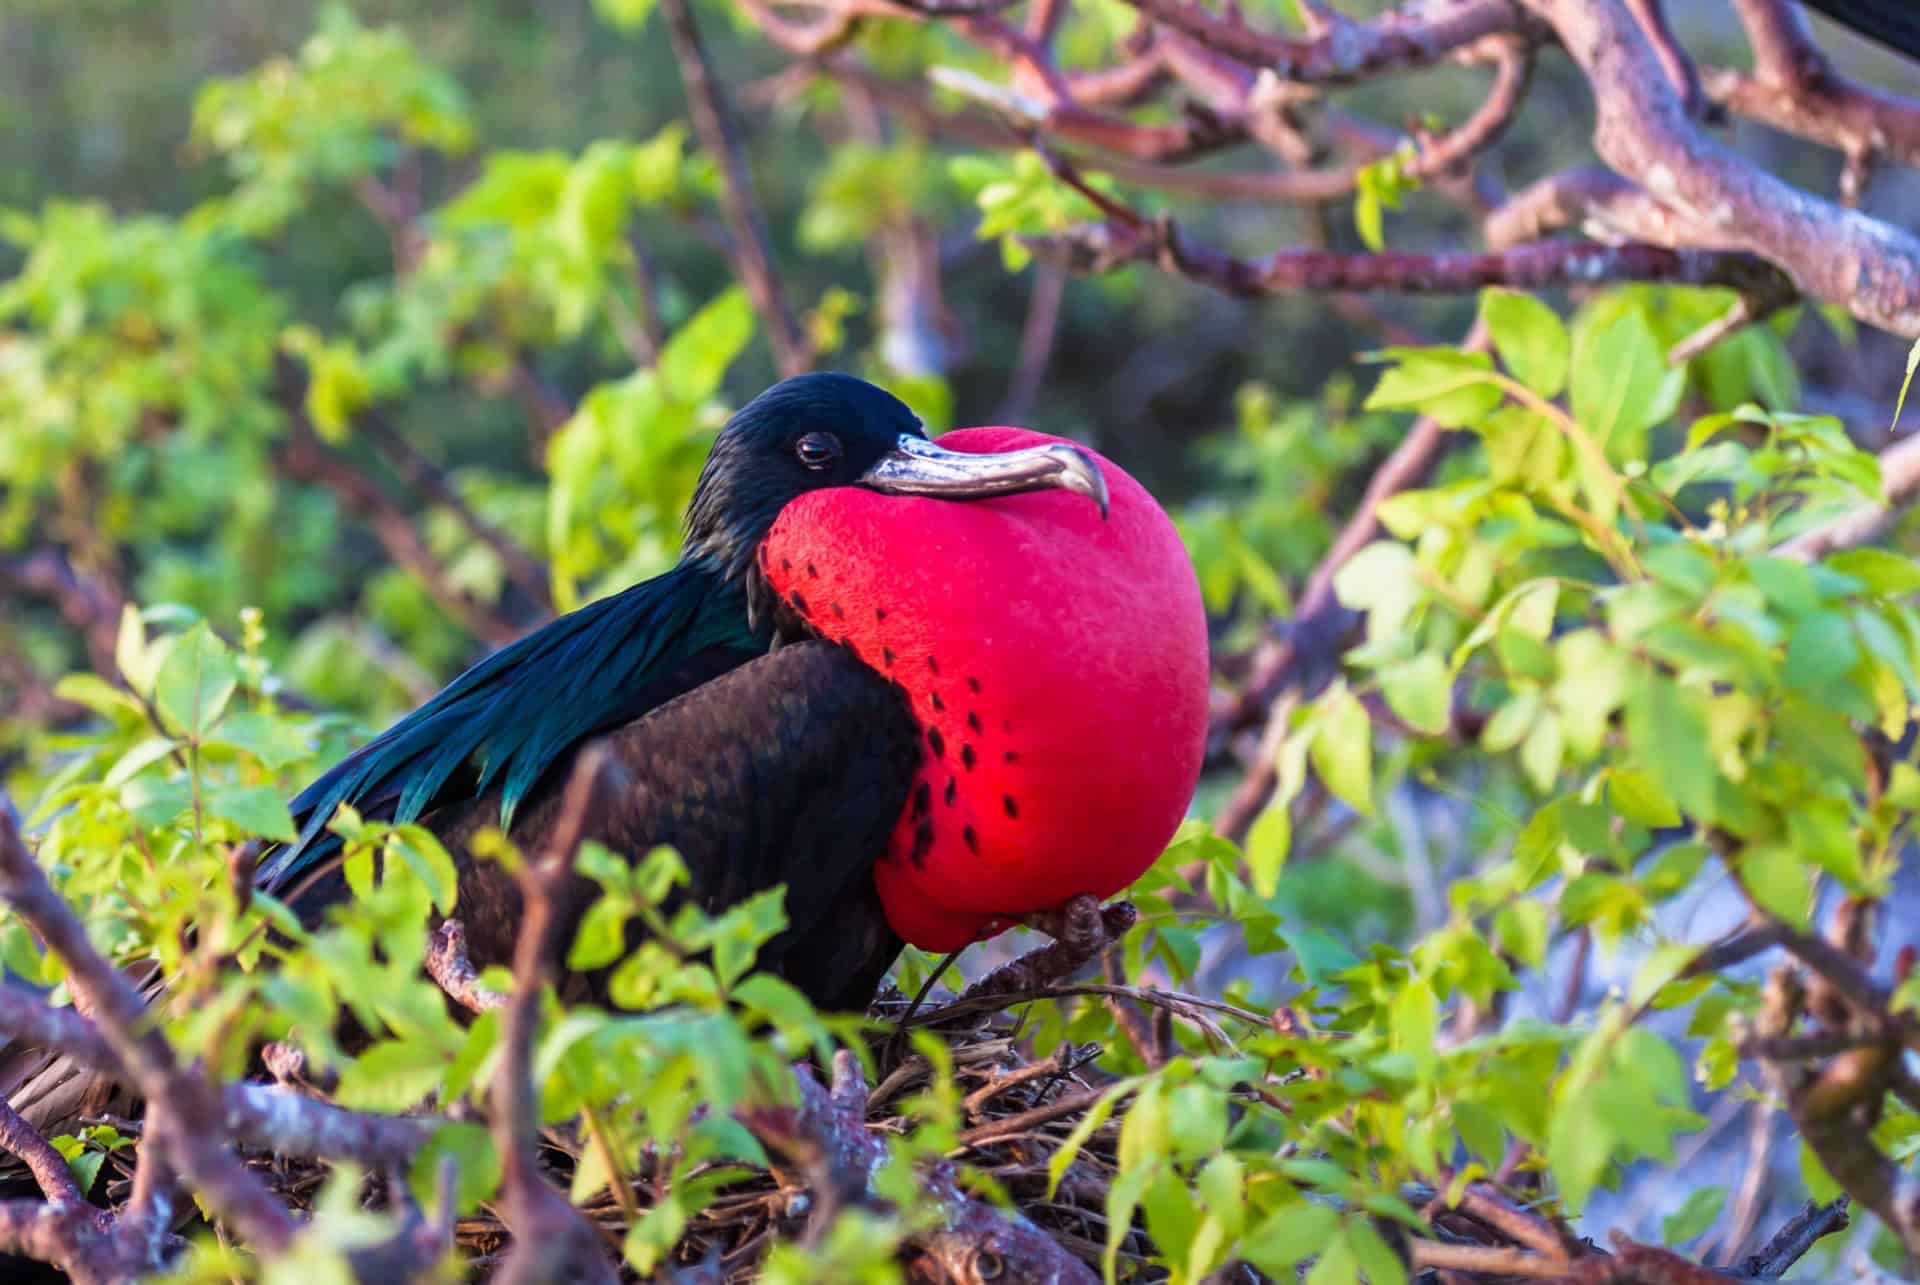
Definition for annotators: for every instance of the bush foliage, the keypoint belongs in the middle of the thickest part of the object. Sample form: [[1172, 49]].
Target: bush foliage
[[1591, 640]]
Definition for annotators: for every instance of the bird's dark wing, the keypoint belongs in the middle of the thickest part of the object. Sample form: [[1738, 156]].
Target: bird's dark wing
[[1894, 23], [791, 769], [507, 719]]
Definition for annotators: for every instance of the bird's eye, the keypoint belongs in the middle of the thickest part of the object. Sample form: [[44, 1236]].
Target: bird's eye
[[817, 450], [988, 1265]]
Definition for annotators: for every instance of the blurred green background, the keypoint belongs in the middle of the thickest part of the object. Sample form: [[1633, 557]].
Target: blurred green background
[[251, 225]]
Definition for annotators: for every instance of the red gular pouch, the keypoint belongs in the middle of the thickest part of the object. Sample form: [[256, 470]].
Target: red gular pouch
[[1056, 662]]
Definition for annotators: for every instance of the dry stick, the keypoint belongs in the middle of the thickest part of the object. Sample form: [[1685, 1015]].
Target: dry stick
[[191, 1109], [827, 1136], [751, 251], [551, 1238], [49, 1167], [1133, 1024], [448, 965], [1791, 1243], [1491, 1260], [1009, 1126]]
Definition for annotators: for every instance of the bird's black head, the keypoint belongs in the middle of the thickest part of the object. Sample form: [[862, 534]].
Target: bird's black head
[[821, 430]]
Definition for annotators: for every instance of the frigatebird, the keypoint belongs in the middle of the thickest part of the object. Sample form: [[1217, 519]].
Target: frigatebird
[[928, 687]]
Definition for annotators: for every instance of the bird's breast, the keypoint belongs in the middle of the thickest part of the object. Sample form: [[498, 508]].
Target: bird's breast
[[1056, 663]]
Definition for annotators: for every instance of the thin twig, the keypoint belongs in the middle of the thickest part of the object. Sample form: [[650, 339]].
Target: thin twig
[[751, 249]]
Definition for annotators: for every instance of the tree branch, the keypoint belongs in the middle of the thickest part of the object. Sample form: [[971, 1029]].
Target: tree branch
[[448, 965], [1830, 253], [1796, 89], [826, 1136], [1103, 247], [1397, 41], [751, 250], [430, 483], [551, 1239], [305, 458], [192, 1112]]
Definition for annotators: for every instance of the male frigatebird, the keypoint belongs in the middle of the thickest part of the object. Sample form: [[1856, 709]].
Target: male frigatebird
[[927, 687]]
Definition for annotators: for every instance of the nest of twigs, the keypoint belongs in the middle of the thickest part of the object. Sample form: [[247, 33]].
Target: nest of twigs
[[1018, 1109]]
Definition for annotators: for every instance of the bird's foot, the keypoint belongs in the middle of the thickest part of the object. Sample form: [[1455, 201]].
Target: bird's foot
[[1080, 929]]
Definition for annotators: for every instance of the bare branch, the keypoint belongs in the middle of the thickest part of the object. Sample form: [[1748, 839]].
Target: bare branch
[[1104, 247], [752, 252], [1831, 253], [305, 458], [192, 1110], [1791, 1243], [1356, 51], [1681, 73], [551, 1238], [1795, 88], [448, 965], [92, 608], [431, 484], [48, 1167]]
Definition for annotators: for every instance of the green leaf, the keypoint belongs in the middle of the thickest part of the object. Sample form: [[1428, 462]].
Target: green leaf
[[1342, 748], [1523, 931], [1780, 880], [1696, 1214], [1821, 1188], [697, 356], [1414, 1020], [1900, 402], [1420, 691], [1667, 729], [627, 15], [1530, 339], [1453, 387], [257, 809], [1381, 580], [1621, 384], [1097, 1115], [1375, 1257], [1267, 842], [476, 1166], [1580, 1142], [601, 938], [1511, 721], [195, 681], [393, 1075], [1291, 1235]]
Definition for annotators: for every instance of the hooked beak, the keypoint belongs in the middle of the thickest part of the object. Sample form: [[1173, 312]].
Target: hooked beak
[[916, 466]]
